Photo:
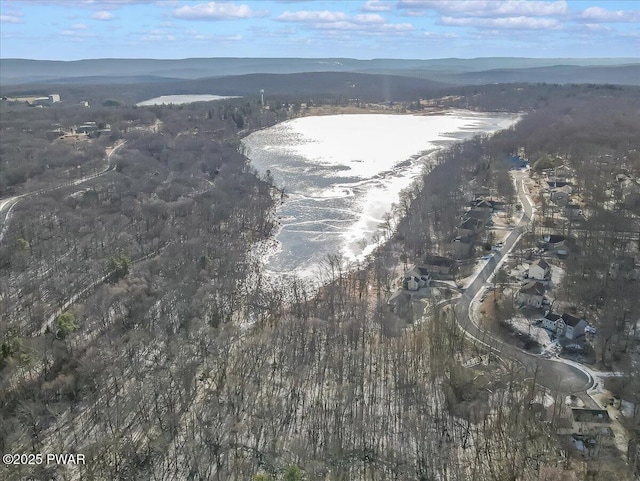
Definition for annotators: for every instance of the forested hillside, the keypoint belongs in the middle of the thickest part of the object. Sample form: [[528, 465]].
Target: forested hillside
[[140, 330]]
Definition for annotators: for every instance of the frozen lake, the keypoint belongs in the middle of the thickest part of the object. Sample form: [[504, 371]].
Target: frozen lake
[[182, 99], [342, 173]]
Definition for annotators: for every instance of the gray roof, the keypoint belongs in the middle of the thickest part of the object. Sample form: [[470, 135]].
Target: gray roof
[[439, 261], [590, 415], [570, 320], [552, 316], [541, 263], [534, 288], [470, 224]]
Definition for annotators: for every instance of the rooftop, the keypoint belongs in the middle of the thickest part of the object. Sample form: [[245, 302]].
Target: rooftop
[[533, 288], [590, 415]]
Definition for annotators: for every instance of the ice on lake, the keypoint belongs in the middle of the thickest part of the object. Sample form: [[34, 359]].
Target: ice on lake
[[342, 173]]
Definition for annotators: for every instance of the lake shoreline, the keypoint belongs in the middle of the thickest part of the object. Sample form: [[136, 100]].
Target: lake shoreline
[[317, 211]]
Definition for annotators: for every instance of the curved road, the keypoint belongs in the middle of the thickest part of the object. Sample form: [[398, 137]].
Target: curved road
[[7, 204], [550, 373]]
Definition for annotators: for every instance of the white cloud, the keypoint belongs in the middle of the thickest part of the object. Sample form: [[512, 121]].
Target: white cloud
[[327, 21], [366, 29], [100, 4], [439, 35], [113, 3], [313, 16], [377, 6], [10, 19], [397, 27], [102, 15], [369, 18], [596, 27], [488, 8], [491, 14], [216, 11], [79, 26], [602, 15], [76, 34], [523, 23], [195, 35]]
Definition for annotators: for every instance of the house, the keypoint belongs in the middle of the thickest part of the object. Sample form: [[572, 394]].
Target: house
[[563, 172], [586, 418], [559, 176], [573, 211], [483, 216], [417, 277], [481, 205], [554, 183], [411, 283], [461, 247], [589, 428], [87, 128], [399, 300], [470, 227], [624, 267], [440, 266], [550, 321], [554, 242], [560, 195], [539, 270], [50, 99], [564, 325], [532, 294], [573, 328]]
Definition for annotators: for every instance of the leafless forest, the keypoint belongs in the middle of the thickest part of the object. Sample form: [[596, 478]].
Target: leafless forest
[[138, 328]]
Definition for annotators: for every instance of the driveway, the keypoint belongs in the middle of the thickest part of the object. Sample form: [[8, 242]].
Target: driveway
[[553, 374]]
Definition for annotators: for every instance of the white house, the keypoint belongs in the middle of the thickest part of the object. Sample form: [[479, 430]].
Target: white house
[[564, 325], [421, 274], [531, 294], [550, 321], [539, 270], [573, 327]]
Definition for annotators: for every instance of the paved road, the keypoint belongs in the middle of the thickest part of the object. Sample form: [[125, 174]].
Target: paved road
[[550, 373], [7, 204]]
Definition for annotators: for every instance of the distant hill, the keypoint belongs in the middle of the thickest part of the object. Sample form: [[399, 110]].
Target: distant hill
[[23, 71], [297, 86], [352, 85], [102, 79], [561, 74]]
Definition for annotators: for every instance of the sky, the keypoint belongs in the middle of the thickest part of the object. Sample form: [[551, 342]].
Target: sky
[[363, 29]]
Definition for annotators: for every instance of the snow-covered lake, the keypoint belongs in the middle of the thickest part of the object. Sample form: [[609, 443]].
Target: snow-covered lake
[[342, 173], [182, 99]]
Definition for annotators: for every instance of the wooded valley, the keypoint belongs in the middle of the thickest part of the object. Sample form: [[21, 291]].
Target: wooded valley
[[140, 329]]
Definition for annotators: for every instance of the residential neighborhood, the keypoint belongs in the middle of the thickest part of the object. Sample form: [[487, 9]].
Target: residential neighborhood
[[530, 278]]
